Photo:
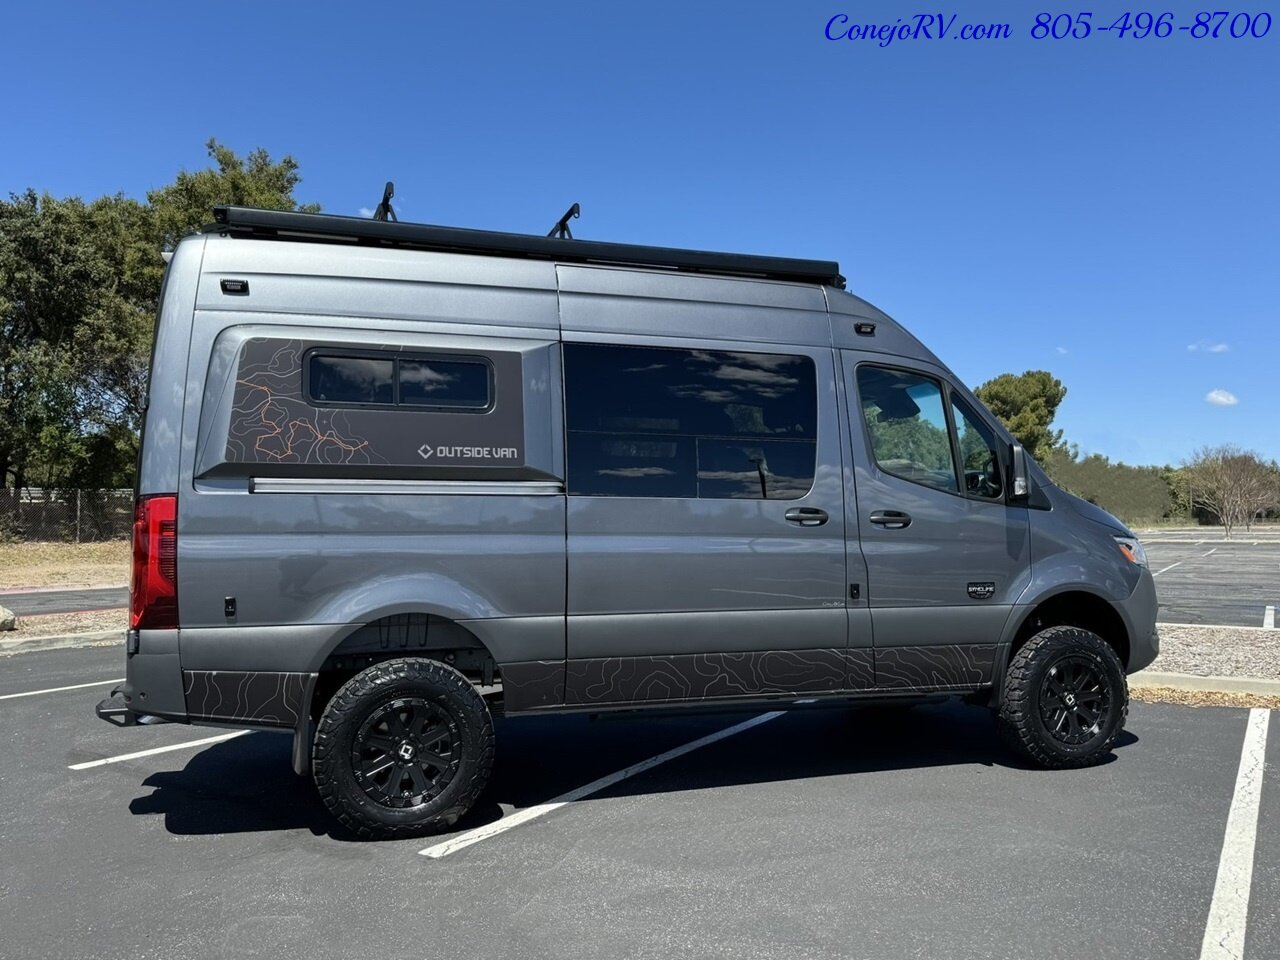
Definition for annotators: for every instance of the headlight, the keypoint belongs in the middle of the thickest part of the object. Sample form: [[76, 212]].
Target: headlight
[[1132, 548]]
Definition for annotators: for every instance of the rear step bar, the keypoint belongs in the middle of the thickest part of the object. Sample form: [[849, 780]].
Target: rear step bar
[[118, 713]]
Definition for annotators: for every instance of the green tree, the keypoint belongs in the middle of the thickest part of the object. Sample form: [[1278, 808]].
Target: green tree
[[254, 180], [1026, 404], [79, 288], [50, 278]]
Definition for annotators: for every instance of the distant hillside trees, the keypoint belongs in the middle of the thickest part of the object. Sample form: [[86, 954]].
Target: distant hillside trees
[[1136, 494], [1223, 485]]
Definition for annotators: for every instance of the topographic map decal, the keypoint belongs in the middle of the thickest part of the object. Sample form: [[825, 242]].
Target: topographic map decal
[[274, 427], [271, 422]]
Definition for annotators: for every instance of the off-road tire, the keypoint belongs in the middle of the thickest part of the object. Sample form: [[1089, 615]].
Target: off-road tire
[[370, 694], [1021, 714]]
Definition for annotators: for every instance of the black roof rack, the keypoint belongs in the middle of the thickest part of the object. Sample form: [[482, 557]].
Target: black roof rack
[[327, 228]]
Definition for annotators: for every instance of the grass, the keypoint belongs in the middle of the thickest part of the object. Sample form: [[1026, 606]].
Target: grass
[[64, 564]]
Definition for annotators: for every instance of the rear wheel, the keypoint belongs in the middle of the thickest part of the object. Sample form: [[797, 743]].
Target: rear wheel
[[1065, 699], [403, 749]]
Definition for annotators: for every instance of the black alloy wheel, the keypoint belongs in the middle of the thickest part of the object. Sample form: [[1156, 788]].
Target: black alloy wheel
[[403, 749], [1065, 698], [1074, 700], [406, 752]]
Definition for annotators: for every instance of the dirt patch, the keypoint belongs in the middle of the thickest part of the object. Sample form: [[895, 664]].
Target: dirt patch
[[1203, 698], [59, 624], [64, 564]]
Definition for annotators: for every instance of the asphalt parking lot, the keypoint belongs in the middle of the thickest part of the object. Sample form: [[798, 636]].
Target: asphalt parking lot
[[1206, 579], [31, 603], [823, 833]]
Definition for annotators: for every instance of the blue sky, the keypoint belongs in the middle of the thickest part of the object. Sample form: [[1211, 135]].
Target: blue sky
[[1107, 208]]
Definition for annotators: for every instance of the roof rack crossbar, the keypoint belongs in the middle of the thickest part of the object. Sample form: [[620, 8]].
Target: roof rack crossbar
[[384, 211], [561, 229], [329, 228]]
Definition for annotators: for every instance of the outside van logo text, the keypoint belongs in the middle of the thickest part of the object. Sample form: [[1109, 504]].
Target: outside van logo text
[[426, 452]]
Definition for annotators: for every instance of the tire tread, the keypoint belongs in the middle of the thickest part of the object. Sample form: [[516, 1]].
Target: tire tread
[[1016, 719], [346, 703]]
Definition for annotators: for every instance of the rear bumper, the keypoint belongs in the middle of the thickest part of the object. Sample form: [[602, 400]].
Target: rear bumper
[[153, 688]]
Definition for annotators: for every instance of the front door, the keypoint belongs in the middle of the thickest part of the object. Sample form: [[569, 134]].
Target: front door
[[946, 555], [706, 553]]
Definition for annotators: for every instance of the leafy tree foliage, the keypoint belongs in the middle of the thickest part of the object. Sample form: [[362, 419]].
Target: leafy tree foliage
[[1237, 486], [1026, 404], [252, 181], [79, 287]]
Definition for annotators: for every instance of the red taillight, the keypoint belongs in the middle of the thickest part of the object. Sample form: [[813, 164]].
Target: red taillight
[[154, 591]]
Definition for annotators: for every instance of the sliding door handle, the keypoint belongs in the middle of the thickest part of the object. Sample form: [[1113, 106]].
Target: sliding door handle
[[891, 519], [807, 516]]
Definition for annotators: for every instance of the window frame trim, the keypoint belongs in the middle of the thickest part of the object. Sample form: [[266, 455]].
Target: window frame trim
[[355, 353], [954, 399]]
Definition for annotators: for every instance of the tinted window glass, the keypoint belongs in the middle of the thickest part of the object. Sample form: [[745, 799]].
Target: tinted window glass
[[444, 383], [980, 465], [648, 421], [907, 426], [631, 465], [351, 380]]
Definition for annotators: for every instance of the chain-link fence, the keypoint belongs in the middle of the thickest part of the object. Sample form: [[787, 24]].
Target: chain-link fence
[[74, 516]]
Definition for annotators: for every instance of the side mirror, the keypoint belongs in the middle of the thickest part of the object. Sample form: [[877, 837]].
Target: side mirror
[[1020, 482]]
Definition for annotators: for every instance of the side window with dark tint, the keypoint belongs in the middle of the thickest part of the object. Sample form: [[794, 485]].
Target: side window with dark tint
[[907, 425], [352, 379], [444, 383], [709, 424], [429, 382], [980, 464]]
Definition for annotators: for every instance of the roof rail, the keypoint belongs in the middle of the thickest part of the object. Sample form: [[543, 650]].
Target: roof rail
[[328, 228]]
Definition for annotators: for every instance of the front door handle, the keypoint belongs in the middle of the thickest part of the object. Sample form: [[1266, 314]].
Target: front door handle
[[891, 519], [807, 516]]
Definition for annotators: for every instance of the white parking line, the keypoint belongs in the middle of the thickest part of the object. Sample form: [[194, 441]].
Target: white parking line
[[1184, 560], [463, 840], [1269, 618], [154, 750], [1229, 910], [74, 686]]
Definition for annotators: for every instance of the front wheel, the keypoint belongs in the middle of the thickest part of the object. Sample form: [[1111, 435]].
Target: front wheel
[[403, 749], [1065, 699]]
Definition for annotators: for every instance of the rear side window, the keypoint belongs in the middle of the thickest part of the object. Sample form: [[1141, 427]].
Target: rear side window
[[709, 424], [443, 383], [907, 425], [427, 382], [352, 380]]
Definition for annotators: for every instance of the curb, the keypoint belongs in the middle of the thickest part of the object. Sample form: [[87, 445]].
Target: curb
[[1147, 680], [30, 644], [66, 588]]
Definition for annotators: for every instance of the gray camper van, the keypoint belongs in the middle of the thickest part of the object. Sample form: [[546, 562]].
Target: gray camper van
[[397, 478]]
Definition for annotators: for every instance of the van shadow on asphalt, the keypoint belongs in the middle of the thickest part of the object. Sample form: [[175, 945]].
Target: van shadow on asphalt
[[246, 785]]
